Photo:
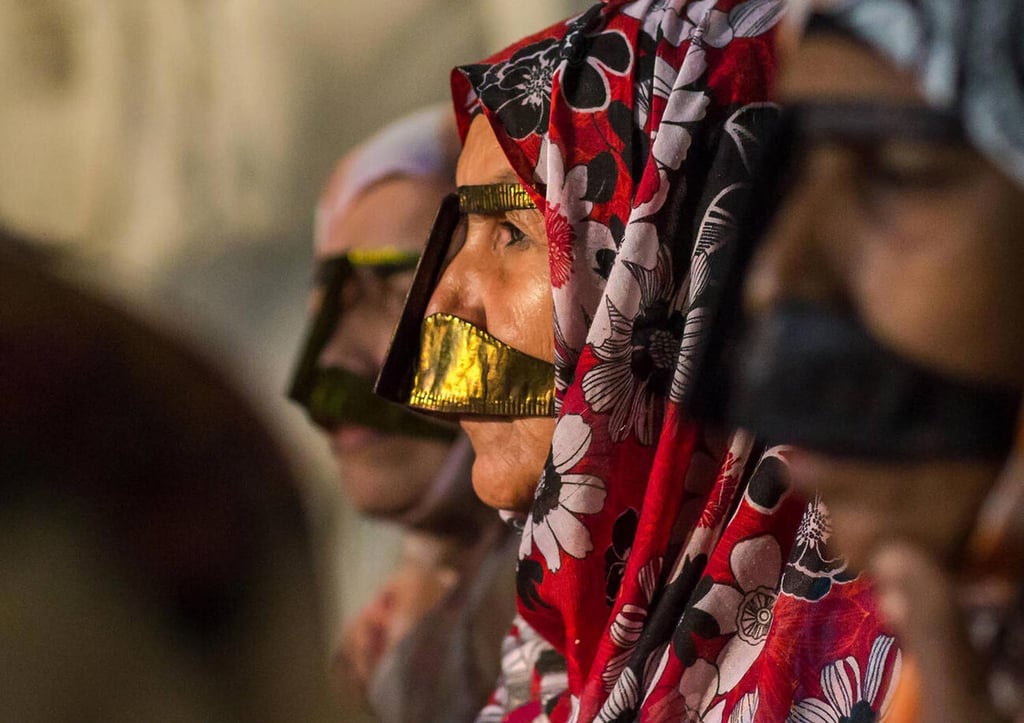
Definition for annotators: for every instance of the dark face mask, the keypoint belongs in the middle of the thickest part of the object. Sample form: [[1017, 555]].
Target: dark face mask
[[333, 396], [812, 375], [818, 379]]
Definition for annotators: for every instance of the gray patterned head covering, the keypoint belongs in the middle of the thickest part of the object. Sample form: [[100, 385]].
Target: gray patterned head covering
[[968, 56]]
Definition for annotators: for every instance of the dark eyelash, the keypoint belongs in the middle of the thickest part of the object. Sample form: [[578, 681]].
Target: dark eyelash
[[516, 234]]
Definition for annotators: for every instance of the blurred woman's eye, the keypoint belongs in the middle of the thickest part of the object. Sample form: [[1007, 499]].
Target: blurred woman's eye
[[397, 289], [903, 166], [353, 292]]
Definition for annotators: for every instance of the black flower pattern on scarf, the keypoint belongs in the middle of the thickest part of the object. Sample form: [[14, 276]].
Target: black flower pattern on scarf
[[566, 360], [811, 570], [695, 623], [768, 484], [617, 554], [529, 575], [589, 59], [740, 151], [603, 261], [518, 90], [657, 333]]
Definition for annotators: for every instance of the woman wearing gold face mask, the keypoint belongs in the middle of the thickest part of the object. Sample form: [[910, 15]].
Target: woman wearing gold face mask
[[498, 280], [892, 269], [561, 307]]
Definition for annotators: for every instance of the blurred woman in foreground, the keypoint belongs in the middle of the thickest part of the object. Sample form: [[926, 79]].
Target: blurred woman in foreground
[[157, 562], [889, 284]]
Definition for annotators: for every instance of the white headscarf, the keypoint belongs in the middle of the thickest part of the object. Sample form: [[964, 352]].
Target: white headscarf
[[424, 143]]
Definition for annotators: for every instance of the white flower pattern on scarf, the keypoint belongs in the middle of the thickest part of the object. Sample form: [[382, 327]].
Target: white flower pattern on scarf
[[812, 570], [745, 609], [552, 524], [625, 632], [746, 709], [852, 695], [521, 650], [622, 699], [700, 684], [637, 358], [684, 107], [572, 235], [701, 23]]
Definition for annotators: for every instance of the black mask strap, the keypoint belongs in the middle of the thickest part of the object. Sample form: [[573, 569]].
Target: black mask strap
[[333, 395]]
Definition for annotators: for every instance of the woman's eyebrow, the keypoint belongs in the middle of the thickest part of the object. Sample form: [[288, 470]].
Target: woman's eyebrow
[[506, 176], [500, 177], [523, 215]]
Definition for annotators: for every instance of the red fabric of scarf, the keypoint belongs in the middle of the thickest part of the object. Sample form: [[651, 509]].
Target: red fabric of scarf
[[666, 572]]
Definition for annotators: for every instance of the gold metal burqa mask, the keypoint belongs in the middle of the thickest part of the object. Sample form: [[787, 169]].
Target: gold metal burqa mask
[[464, 370], [446, 365]]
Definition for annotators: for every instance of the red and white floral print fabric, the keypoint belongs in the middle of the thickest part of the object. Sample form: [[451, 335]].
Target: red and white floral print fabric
[[666, 573]]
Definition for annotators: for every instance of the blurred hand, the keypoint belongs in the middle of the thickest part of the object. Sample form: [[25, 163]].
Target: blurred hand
[[933, 505], [404, 599], [908, 525], [919, 600]]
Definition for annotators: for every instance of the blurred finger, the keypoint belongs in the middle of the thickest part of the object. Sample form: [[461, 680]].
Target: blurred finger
[[918, 600]]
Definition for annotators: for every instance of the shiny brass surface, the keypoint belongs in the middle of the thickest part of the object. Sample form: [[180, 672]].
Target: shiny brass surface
[[494, 198], [464, 370]]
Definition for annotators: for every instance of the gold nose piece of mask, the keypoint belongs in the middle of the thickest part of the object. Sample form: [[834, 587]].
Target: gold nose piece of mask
[[464, 370]]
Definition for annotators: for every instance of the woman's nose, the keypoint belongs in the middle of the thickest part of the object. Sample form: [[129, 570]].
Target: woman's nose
[[460, 290], [792, 261]]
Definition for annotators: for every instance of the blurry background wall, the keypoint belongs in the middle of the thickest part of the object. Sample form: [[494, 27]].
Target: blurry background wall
[[178, 146]]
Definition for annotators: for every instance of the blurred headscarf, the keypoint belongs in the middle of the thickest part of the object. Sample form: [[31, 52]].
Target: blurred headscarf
[[666, 573], [419, 145], [968, 57]]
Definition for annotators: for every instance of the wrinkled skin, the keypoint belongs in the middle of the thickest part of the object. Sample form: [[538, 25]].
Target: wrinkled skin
[[383, 474], [499, 280], [923, 242]]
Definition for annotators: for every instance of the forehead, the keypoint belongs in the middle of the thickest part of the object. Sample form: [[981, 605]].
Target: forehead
[[482, 160], [828, 66], [394, 212]]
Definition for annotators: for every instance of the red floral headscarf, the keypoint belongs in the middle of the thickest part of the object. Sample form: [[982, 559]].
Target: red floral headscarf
[[666, 572]]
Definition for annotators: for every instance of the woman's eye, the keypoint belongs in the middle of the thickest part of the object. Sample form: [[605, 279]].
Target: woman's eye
[[515, 235], [913, 167], [397, 289]]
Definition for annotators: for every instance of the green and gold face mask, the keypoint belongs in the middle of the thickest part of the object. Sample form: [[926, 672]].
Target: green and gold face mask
[[333, 395], [446, 365]]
